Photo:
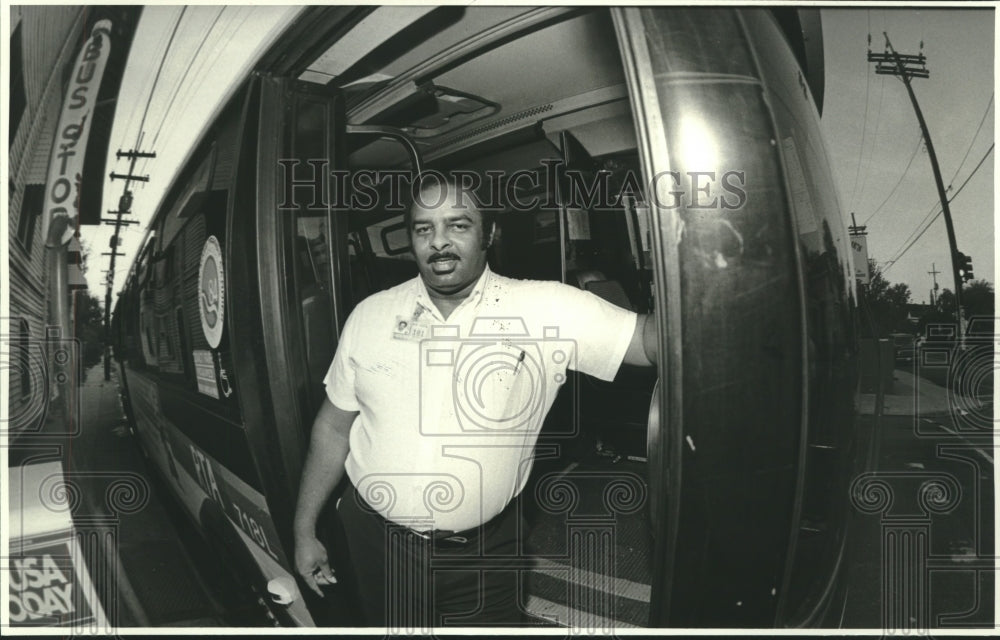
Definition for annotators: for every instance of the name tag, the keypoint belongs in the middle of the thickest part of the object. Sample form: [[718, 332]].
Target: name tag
[[410, 329]]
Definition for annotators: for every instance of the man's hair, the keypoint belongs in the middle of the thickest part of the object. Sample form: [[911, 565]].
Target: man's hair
[[449, 192]]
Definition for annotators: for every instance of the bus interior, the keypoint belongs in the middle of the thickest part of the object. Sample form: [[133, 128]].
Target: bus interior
[[484, 115]]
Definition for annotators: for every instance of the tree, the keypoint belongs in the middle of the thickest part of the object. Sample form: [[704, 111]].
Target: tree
[[945, 302], [89, 325], [886, 304], [978, 299]]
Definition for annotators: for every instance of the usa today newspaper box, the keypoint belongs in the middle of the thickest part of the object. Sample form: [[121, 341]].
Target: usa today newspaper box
[[49, 582]]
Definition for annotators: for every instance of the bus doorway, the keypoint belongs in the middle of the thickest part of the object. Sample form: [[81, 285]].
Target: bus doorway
[[733, 237], [711, 491]]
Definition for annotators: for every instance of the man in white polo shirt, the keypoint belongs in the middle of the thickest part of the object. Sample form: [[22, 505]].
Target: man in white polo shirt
[[436, 396]]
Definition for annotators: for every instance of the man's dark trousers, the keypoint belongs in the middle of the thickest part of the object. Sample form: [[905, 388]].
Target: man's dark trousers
[[407, 581]]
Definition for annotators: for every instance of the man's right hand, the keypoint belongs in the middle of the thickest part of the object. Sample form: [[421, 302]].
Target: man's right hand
[[323, 468], [312, 564]]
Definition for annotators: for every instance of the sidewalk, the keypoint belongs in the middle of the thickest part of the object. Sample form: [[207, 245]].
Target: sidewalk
[[151, 575], [910, 395]]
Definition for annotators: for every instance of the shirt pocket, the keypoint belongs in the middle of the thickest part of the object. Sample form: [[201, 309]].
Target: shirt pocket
[[498, 386]]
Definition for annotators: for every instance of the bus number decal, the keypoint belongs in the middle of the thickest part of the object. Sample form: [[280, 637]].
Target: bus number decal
[[254, 530], [236, 502]]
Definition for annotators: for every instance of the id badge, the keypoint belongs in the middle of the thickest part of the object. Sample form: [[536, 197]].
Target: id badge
[[409, 329]]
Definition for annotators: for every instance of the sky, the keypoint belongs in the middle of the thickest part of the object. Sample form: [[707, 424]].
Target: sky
[[212, 49], [870, 128], [870, 142]]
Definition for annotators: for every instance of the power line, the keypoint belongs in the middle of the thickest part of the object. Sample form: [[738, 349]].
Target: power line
[[181, 87], [159, 70], [864, 127], [187, 70], [934, 206], [971, 142], [955, 195], [135, 104], [898, 253], [878, 121], [979, 164], [900, 181], [201, 73], [908, 243]]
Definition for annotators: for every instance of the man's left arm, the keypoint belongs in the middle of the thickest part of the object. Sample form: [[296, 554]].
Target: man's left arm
[[607, 335], [643, 348]]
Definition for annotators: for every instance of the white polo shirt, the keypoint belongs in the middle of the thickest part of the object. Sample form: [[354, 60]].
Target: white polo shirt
[[449, 411]]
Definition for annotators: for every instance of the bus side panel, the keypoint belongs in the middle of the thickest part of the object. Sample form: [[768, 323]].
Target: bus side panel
[[195, 477], [191, 414]]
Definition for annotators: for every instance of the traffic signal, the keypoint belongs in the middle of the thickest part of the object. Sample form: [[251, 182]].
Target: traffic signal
[[964, 264]]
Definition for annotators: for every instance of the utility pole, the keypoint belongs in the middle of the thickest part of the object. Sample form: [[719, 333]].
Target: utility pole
[[859, 246], [856, 229], [933, 273], [124, 208], [903, 66]]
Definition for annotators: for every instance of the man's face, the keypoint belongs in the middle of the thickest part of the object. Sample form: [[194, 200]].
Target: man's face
[[447, 242]]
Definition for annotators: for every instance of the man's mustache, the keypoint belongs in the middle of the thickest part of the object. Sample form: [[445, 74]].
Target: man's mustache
[[442, 256]]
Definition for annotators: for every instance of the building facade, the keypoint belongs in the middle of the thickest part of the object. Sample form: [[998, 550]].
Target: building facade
[[45, 41]]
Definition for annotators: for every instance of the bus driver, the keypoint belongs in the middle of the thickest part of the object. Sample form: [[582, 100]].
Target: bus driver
[[432, 439]]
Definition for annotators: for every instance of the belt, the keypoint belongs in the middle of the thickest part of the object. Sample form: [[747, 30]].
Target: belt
[[459, 538], [444, 536]]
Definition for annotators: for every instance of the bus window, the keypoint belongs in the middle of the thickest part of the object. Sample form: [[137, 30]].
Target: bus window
[[184, 301], [388, 248], [308, 235], [312, 292], [145, 311]]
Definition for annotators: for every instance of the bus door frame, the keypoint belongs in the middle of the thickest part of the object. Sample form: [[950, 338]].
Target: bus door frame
[[670, 445], [268, 351], [663, 447], [283, 350]]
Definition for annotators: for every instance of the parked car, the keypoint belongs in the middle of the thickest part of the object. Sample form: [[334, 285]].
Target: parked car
[[904, 349]]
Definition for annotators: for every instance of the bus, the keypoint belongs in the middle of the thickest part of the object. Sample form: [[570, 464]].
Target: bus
[[715, 487]]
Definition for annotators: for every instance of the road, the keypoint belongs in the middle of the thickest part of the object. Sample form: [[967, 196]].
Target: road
[[921, 550]]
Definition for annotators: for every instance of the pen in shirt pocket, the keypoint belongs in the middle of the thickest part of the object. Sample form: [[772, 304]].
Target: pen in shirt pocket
[[520, 359]]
